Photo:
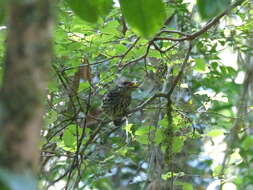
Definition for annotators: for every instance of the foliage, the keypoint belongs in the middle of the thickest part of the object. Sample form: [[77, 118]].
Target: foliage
[[187, 108], [145, 16], [210, 8], [90, 10]]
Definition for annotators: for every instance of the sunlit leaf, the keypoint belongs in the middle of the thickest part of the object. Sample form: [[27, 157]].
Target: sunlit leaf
[[69, 137], [215, 133], [247, 143], [142, 131], [185, 186], [83, 86], [144, 139], [166, 176], [217, 170], [159, 136], [164, 122], [200, 64], [178, 143]]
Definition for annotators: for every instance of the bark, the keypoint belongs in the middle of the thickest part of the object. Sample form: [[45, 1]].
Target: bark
[[28, 54]]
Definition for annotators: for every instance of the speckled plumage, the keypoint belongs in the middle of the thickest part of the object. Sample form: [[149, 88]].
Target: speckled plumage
[[117, 101]]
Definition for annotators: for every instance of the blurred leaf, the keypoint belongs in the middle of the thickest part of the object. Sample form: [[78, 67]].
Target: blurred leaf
[[2, 15], [169, 175], [164, 122], [124, 150], [2, 11], [111, 28], [52, 86], [178, 143], [69, 137], [200, 64], [142, 131], [51, 116], [166, 176], [90, 10], [159, 136], [217, 170], [211, 8], [128, 128], [185, 186], [83, 86], [144, 139], [215, 133], [146, 17], [247, 143]]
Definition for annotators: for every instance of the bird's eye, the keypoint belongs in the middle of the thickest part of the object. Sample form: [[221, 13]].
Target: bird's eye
[[126, 83]]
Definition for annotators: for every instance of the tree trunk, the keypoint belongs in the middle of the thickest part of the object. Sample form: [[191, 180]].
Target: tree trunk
[[28, 55]]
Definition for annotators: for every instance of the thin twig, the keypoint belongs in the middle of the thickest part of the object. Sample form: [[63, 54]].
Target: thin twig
[[179, 76], [140, 107], [238, 123], [137, 59], [204, 29]]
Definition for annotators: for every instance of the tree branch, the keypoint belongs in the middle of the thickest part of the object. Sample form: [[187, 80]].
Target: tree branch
[[141, 106], [201, 31]]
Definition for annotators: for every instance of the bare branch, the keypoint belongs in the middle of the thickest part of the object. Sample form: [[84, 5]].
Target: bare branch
[[204, 29], [179, 76], [137, 59]]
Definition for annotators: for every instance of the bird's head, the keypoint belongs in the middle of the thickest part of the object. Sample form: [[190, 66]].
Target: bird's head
[[128, 86]]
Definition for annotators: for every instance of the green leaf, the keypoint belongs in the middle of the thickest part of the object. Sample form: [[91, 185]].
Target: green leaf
[[159, 136], [167, 176], [83, 86], [69, 137], [247, 143], [210, 8], [215, 133], [164, 122], [178, 143], [2, 11], [2, 15], [217, 170], [111, 28], [124, 150], [90, 10], [146, 17], [51, 116], [200, 64], [144, 139], [185, 186], [142, 131], [128, 128], [52, 86]]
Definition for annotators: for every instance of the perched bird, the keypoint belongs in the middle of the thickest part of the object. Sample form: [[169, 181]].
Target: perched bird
[[117, 101]]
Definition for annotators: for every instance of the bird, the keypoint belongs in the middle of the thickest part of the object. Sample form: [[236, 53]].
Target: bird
[[116, 101]]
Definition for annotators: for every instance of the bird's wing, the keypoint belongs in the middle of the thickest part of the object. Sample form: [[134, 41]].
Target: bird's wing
[[111, 97]]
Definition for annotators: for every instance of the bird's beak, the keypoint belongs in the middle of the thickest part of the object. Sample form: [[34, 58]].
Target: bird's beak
[[134, 85]]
